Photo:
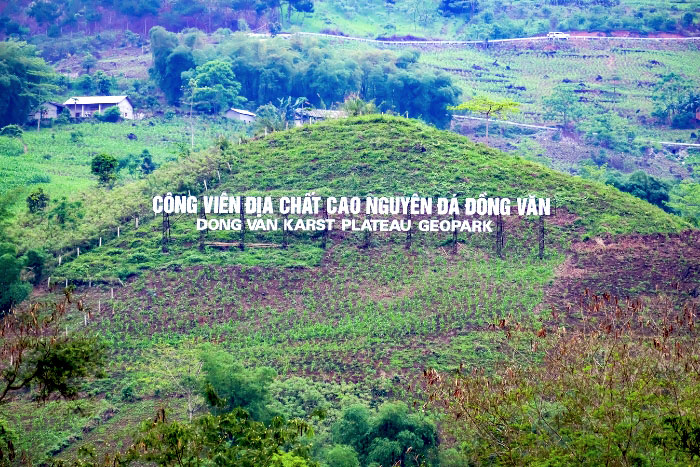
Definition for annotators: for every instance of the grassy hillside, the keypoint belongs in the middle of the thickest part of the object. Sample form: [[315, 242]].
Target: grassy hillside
[[58, 158], [341, 325], [376, 154]]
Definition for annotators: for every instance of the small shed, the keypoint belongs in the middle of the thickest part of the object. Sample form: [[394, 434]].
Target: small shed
[[48, 110], [302, 116], [240, 114], [87, 106]]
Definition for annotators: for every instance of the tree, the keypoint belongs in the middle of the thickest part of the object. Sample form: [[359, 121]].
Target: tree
[[103, 83], [37, 200], [37, 353], [170, 60], [88, 63], [644, 187], [147, 164], [25, 81], [391, 437], [228, 384], [233, 438], [139, 8], [563, 105], [341, 456], [671, 95], [13, 290], [105, 167], [355, 106], [44, 11], [489, 107], [685, 199], [110, 114], [217, 89]]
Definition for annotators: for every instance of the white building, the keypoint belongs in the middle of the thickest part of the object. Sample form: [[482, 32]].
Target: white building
[[87, 106], [48, 110], [302, 116], [240, 114]]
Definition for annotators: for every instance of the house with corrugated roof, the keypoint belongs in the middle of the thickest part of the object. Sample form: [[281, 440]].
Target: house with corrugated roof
[[240, 114], [87, 106], [47, 110], [302, 116]]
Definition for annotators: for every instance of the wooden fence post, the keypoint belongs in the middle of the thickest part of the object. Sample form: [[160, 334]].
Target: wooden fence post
[[285, 242], [203, 232], [241, 245], [499, 236], [410, 230], [368, 234], [454, 234], [166, 232], [541, 232], [324, 240]]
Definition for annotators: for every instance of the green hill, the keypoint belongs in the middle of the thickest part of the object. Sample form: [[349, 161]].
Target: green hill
[[345, 323], [381, 155]]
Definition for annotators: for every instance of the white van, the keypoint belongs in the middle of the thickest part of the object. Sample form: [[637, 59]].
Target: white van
[[557, 35]]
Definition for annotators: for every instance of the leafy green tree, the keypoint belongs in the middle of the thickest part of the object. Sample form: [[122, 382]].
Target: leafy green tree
[[88, 63], [610, 130], [269, 118], [170, 60], [671, 96], [44, 11], [105, 167], [355, 106], [233, 438], [563, 105], [103, 83], [12, 131], [229, 385], [37, 200], [35, 264], [66, 213], [139, 8], [13, 290], [340, 455], [147, 164], [25, 81], [110, 114], [643, 186], [38, 354], [684, 198], [391, 437], [488, 108], [217, 89]]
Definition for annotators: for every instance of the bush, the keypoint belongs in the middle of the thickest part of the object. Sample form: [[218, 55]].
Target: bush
[[11, 131], [37, 200], [110, 114], [11, 146], [617, 386]]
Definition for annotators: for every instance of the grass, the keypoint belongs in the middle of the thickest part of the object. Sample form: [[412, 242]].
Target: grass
[[351, 323], [58, 158]]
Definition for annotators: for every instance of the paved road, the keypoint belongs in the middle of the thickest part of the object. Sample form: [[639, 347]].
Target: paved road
[[491, 41]]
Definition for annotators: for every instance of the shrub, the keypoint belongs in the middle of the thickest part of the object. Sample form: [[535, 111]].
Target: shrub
[[110, 114], [37, 200], [617, 386], [12, 131], [10, 146]]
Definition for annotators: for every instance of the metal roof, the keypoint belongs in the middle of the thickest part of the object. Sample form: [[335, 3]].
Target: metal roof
[[88, 100], [241, 111]]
